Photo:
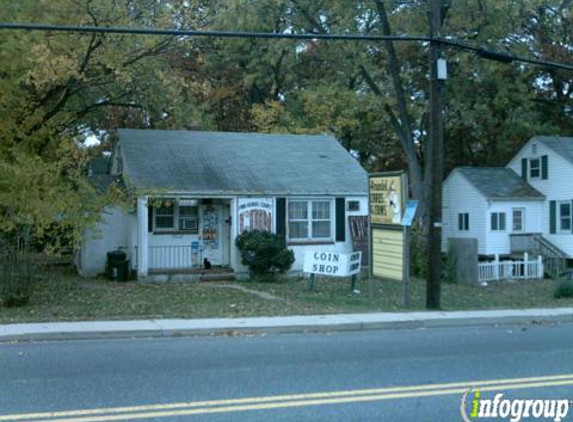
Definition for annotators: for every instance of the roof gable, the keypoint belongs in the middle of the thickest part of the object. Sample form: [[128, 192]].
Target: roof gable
[[499, 183], [559, 144], [245, 163]]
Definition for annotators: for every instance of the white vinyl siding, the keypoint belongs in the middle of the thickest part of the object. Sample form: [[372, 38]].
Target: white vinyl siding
[[498, 242], [461, 197], [557, 187]]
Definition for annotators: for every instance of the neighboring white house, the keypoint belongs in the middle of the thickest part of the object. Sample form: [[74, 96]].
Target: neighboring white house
[[194, 192], [489, 204], [526, 206], [546, 162]]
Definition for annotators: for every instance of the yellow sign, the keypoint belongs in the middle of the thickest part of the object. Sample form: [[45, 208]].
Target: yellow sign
[[388, 253], [386, 199]]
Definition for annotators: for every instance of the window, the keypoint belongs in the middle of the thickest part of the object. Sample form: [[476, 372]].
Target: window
[[353, 206], [188, 218], [565, 216], [176, 217], [534, 168], [464, 221], [518, 219], [497, 221], [310, 220], [164, 217]]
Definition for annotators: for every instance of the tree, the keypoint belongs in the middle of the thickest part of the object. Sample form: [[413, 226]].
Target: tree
[[56, 89]]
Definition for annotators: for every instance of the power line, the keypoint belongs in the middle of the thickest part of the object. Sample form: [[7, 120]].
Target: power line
[[217, 34], [482, 52]]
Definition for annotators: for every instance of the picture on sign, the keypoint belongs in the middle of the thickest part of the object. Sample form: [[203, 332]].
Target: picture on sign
[[386, 199], [255, 214], [332, 263]]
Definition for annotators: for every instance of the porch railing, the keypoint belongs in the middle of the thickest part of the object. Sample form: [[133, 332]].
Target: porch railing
[[511, 270], [555, 259], [174, 257]]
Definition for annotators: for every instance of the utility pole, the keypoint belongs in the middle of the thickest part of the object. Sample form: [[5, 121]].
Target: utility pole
[[436, 145]]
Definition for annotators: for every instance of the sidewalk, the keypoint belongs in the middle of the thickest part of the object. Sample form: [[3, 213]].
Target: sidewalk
[[276, 325]]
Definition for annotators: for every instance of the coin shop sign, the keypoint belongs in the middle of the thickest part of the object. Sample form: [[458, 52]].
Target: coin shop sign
[[332, 263]]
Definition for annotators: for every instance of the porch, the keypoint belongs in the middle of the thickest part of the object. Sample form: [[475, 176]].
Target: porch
[[187, 236], [554, 259]]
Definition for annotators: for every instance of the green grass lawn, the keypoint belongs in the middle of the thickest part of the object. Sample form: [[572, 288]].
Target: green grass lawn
[[63, 296]]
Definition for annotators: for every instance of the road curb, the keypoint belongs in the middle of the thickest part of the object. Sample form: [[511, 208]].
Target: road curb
[[92, 330]]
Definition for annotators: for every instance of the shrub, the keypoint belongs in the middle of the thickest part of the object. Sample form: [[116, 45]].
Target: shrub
[[418, 253], [16, 282], [564, 289], [449, 270], [264, 252]]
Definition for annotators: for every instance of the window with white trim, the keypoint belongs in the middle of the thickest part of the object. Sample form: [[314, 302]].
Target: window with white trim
[[463, 222], [518, 217], [310, 220], [497, 221], [564, 216], [174, 217], [535, 168], [163, 217]]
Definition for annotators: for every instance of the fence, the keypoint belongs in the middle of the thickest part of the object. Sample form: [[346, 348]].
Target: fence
[[174, 257], [511, 270]]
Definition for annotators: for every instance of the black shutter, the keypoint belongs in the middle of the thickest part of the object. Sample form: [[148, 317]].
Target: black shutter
[[552, 217], [280, 223], [150, 218], [340, 220], [544, 167], [571, 214], [524, 168]]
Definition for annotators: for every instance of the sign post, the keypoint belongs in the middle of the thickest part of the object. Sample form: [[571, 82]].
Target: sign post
[[390, 217], [407, 220]]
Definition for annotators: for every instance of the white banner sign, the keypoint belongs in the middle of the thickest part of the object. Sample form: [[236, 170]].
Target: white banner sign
[[332, 263]]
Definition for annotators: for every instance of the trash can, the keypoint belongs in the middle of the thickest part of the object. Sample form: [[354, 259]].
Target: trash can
[[117, 266]]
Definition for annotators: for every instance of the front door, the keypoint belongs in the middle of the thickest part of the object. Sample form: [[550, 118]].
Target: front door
[[212, 233]]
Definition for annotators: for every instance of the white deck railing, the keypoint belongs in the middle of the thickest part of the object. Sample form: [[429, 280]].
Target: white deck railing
[[511, 270], [174, 257]]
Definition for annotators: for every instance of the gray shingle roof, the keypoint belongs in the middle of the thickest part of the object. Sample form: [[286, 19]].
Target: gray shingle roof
[[244, 163], [560, 144], [499, 183]]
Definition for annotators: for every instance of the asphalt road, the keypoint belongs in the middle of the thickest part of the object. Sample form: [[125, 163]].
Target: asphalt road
[[402, 375]]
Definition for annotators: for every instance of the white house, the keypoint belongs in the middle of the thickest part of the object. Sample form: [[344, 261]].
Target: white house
[[489, 204], [546, 162], [194, 192], [524, 207]]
